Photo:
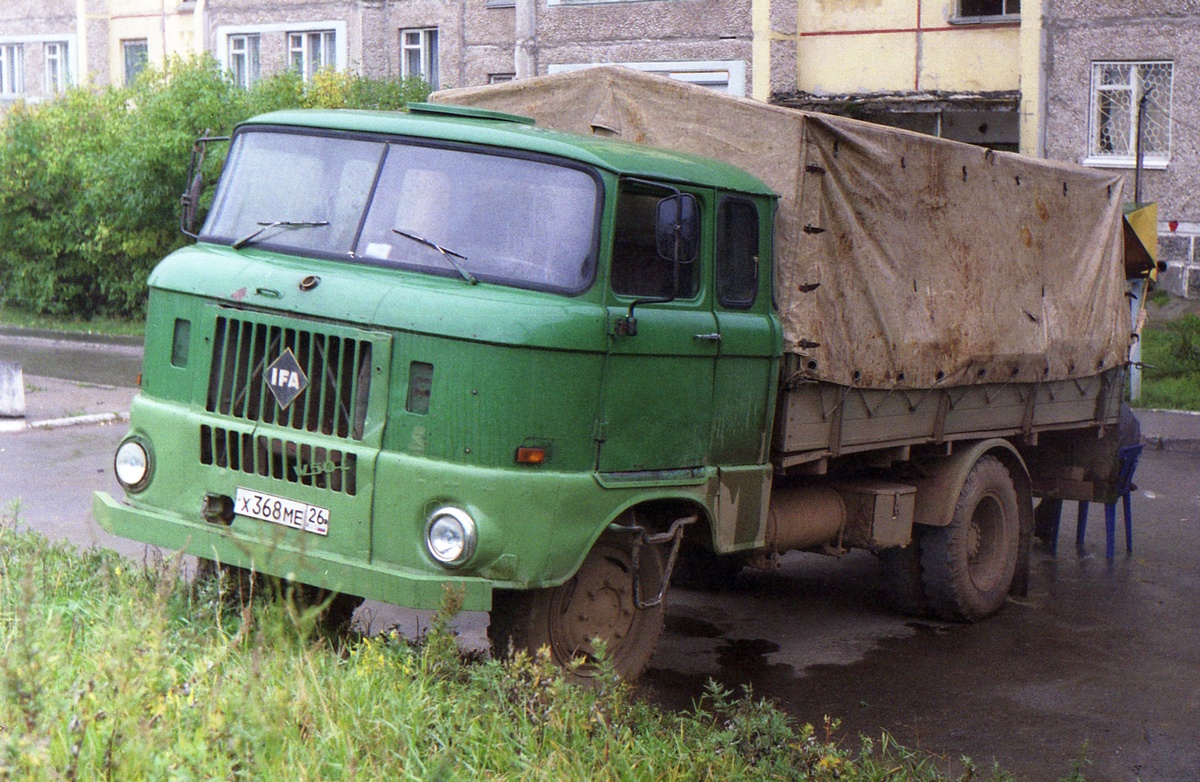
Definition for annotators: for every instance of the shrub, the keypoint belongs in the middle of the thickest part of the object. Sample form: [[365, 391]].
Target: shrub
[[90, 183]]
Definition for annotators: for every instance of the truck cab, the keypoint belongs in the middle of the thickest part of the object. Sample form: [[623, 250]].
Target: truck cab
[[450, 349]]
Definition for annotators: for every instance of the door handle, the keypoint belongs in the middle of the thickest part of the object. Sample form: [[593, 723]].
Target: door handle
[[711, 337]]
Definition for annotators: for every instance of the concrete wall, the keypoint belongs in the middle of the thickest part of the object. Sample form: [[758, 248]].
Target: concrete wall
[[165, 25], [1080, 32], [938, 72], [863, 46]]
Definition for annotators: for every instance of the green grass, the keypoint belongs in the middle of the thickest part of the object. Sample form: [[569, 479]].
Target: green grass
[[15, 316], [110, 670], [1171, 355]]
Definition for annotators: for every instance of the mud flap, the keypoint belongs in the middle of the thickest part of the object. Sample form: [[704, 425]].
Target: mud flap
[[1020, 582]]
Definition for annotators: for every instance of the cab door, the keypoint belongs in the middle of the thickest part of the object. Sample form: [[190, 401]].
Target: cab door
[[657, 394]]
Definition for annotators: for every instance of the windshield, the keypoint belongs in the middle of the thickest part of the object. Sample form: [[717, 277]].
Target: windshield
[[452, 212]]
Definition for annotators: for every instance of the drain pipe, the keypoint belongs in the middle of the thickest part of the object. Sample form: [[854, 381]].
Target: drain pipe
[[525, 53]]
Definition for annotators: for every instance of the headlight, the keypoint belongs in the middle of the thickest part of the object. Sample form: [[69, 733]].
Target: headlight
[[132, 465], [450, 536]]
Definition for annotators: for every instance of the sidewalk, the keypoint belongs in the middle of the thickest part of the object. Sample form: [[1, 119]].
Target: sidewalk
[[52, 403], [1170, 430]]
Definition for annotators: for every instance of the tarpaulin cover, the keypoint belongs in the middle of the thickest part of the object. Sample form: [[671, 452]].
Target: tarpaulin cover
[[902, 260]]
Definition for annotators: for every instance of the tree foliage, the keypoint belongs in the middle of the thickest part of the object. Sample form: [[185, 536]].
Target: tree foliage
[[90, 182]]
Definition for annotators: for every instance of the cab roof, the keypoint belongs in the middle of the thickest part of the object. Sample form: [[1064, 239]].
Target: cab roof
[[489, 128]]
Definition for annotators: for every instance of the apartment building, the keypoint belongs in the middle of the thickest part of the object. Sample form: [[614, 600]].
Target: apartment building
[[469, 42], [1110, 67], [1065, 79]]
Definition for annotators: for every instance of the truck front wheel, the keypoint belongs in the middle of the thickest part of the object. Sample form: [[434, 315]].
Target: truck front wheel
[[968, 565], [597, 602]]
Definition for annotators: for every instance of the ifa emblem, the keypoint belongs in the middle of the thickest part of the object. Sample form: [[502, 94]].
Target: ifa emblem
[[286, 379]]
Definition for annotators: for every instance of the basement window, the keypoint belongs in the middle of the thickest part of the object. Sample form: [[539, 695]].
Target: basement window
[[987, 10]]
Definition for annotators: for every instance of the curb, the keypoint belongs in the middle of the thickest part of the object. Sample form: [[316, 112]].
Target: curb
[[1158, 442], [17, 425], [55, 335]]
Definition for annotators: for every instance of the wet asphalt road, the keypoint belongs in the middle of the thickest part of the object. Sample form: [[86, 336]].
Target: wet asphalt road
[[1103, 655], [1100, 654], [81, 358]]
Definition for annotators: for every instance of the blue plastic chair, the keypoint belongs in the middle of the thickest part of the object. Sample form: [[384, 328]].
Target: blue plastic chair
[[1128, 460]]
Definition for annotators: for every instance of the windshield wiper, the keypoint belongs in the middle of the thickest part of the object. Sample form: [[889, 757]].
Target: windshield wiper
[[450, 255], [269, 224]]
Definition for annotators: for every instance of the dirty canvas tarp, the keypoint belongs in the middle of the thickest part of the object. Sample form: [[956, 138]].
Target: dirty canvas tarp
[[903, 260]]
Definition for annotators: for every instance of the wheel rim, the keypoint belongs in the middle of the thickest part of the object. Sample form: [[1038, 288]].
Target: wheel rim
[[985, 543], [597, 604]]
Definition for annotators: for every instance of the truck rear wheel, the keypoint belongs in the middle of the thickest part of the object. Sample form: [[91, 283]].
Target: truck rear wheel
[[968, 565], [597, 602]]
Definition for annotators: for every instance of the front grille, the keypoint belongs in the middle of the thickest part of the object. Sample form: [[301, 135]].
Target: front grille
[[338, 371], [282, 460]]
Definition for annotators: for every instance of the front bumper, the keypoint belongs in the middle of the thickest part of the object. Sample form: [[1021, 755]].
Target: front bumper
[[373, 580]]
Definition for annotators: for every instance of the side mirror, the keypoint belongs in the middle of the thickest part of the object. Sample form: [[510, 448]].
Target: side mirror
[[190, 200], [678, 228]]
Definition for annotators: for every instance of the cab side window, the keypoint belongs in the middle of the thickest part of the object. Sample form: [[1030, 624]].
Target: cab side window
[[637, 268], [737, 253]]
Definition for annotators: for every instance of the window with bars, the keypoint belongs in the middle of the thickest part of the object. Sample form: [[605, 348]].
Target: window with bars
[[978, 8], [1123, 92], [12, 69], [244, 60], [419, 54], [58, 69], [310, 52]]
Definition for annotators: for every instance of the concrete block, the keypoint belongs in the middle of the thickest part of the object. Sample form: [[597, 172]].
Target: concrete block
[[1173, 279], [1174, 248], [12, 391], [1192, 290]]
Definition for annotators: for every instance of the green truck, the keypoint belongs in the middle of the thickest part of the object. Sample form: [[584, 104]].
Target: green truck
[[458, 348]]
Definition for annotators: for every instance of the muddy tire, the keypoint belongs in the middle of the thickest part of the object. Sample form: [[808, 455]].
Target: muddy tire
[[903, 582], [234, 586], [597, 602], [337, 608], [968, 566], [239, 587]]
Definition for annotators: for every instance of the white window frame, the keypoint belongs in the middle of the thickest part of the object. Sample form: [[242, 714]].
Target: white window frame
[[57, 66], [1126, 158], [427, 50], [245, 59], [224, 32], [72, 59], [12, 69], [728, 76], [310, 50]]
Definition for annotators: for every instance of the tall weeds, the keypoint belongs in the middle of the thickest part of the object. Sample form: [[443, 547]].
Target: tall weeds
[[115, 671]]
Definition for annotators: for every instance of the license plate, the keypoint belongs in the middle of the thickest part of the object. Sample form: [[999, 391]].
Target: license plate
[[281, 510]]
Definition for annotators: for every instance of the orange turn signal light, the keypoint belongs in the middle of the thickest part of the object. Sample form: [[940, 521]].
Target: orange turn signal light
[[531, 455]]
